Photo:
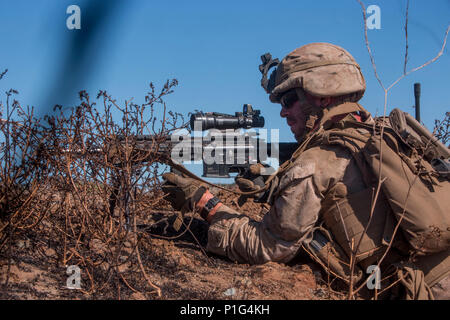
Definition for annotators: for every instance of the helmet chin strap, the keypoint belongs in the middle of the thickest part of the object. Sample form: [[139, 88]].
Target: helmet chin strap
[[310, 125], [313, 113]]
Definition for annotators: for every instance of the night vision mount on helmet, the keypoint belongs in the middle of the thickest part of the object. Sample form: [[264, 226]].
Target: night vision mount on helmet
[[267, 63]]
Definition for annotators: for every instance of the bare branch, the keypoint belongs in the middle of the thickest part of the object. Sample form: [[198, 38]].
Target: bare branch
[[406, 38], [3, 74], [444, 43], [386, 91], [372, 60]]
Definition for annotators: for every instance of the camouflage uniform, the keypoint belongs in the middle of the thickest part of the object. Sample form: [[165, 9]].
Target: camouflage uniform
[[295, 211], [321, 70]]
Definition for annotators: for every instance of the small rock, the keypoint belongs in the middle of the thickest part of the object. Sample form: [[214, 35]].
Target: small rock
[[320, 293], [20, 244], [230, 292], [23, 244], [182, 261], [50, 252]]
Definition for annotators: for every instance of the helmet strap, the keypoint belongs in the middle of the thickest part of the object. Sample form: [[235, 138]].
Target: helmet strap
[[314, 114], [312, 119]]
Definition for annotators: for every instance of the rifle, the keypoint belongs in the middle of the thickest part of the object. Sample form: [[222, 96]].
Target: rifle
[[230, 150], [223, 150]]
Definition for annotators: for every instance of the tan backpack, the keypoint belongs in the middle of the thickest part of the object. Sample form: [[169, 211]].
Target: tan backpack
[[417, 192], [414, 198]]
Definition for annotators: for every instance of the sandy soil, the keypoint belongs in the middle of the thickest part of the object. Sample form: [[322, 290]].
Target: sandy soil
[[32, 268]]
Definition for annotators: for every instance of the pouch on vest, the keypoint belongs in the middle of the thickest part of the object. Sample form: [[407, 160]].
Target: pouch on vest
[[414, 200], [361, 234], [417, 194], [330, 256]]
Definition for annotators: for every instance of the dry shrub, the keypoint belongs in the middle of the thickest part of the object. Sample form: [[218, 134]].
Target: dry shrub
[[24, 172], [441, 128], [91, 181]]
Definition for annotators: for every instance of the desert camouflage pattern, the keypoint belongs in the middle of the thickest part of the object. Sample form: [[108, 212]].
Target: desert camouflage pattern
[[279, 236], [295, 212], [321, 69], [298, 208]]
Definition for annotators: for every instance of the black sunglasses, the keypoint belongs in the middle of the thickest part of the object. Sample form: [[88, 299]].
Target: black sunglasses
[[289, 98]]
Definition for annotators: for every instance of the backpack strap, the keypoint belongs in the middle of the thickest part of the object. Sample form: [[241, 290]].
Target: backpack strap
[[345, 108], [321, 133]]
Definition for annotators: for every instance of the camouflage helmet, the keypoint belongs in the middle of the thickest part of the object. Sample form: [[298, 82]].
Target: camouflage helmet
[[322, 70]]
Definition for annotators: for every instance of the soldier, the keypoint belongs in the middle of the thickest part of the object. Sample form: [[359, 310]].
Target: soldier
[[318, 86]]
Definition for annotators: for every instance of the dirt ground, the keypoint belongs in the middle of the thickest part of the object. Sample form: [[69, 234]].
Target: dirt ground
[[179, 267]]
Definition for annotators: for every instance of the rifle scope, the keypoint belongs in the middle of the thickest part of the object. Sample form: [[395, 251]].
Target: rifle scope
[[246, 119]]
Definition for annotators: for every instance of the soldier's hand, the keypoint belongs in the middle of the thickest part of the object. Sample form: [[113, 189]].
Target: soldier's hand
[[182, 192], [252, 180]]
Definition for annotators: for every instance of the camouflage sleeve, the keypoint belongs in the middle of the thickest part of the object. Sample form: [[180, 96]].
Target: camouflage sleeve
[[280, 234]]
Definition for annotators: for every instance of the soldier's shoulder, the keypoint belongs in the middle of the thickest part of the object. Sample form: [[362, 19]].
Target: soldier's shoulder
[[322, 153]]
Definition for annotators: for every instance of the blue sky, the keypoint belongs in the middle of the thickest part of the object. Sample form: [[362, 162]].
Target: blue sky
[[213, 48]]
